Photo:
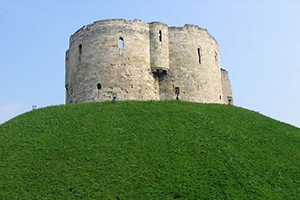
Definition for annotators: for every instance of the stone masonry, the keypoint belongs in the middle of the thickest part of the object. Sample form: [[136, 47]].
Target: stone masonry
[[132, 60]]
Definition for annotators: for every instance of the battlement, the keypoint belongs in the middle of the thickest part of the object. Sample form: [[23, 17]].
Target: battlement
[[108, 22], [192, 28], [157, 23], [133, 60], [120, 21]]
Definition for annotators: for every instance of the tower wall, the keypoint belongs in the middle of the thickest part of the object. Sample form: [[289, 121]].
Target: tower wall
[[159, 46], [95, 57], [194, 66], [226, 87]]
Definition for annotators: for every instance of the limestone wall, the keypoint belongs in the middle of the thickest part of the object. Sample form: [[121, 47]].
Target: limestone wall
[[159, 46], [226, 87], [139, 61], [124, 71], [194, 66]]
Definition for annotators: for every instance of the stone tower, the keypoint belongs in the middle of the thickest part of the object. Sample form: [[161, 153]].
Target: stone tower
[[132, 60]]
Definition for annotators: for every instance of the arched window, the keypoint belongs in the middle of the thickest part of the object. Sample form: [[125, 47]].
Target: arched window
[[199, 54], [80, 51], [121, 45], [160, 36], [99, 86]]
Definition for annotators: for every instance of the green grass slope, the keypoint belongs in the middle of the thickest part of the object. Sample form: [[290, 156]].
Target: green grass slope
[[148, 150]]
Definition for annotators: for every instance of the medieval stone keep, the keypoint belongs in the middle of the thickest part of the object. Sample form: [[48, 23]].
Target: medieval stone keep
[[132, 60]]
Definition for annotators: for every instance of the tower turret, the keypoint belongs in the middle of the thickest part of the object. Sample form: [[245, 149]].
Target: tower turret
[[159, 48]]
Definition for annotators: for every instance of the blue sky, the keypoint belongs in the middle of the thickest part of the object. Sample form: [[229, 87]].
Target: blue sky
[[259, 45]]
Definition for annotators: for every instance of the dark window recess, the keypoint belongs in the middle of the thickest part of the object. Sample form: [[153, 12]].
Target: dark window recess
[[160, 35], [99, 86], [199, 55], [121, 45], [216, 56], [177, 92], [80, 51], [229, 98], [67, 87]]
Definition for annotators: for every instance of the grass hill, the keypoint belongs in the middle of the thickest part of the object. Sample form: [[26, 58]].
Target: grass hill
[[148, 150]]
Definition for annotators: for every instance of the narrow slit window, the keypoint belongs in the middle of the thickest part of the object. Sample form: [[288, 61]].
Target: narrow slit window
[[121, 45], [160, 35], [99, 88], [199, 55], [80, 51]]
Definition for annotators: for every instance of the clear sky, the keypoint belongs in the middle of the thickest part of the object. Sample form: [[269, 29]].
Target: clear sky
[[259, 44]]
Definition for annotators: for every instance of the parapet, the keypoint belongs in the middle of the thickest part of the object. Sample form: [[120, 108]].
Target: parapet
[[107, 22], [157, 22], [191, 27]]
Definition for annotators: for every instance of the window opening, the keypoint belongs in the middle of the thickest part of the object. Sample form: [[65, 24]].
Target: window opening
[[99, 88], [177, 92], [121, 45], [229, 98], [216, 56], [160, 36], [199, 55], [80, 51]]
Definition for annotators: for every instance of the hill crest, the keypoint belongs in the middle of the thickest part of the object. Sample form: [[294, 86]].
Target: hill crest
[[148, 150]]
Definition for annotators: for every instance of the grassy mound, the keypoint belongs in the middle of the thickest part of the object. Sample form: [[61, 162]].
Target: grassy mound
[[148, 150]]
